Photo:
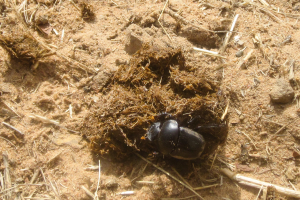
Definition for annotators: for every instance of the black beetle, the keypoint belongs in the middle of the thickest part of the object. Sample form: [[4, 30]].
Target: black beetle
[[178, 142]]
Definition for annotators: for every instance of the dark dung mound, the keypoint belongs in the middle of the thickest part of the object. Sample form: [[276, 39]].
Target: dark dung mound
[[155, 81]]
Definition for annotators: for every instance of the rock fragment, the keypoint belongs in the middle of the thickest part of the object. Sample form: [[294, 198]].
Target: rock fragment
[[282, 92], [135, 38]]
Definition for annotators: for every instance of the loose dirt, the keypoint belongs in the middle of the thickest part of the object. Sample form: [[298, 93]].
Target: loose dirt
[[82, 81]]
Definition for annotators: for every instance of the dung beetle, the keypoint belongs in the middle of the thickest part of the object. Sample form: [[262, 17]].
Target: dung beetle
[[176, 141]]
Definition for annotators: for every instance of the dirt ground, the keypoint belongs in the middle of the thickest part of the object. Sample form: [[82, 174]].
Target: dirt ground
[[57, 58]]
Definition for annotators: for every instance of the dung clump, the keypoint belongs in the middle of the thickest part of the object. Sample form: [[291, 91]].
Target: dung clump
[[21, 46], [87, 11], [155, 81]]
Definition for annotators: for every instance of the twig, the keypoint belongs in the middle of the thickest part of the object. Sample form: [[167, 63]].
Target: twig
[[258, 184], [167, 173], [228, 35], [13, 128]]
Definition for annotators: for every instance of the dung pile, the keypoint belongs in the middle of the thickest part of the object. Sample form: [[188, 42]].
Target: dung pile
[[155, 81]]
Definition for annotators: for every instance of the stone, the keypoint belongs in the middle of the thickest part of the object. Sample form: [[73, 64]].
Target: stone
[[282, 92], [135, 38], [69, 140]]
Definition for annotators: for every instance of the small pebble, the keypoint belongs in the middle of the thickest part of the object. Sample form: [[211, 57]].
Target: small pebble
[[282, 92]]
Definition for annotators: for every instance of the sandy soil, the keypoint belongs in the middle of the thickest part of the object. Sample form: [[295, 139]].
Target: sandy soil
[[46, 96]]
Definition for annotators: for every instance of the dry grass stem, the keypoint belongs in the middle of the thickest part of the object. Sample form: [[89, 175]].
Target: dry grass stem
[[8, 141], [230, 166], [258, 184], [145, 182], [71, 110], [291, 73], [75, 6], [208, 52], [35, 175], [44, 178], [160, 22], [205, 187], [277, 132], [126, 193], [55, 190], [225, 112], [263, 2], [51, 160], [140, 172], [89, 193], [259, 192], [212, 163], [1, 182], [98, 184], [271, 15], [46, 120], [167, 173], [183, 198], [185, 181], [92, 167], [12, 188], [228, 35], [13, 128], [10, 107], [179, 18], [247, 137], [7, 179], [163, 10]]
